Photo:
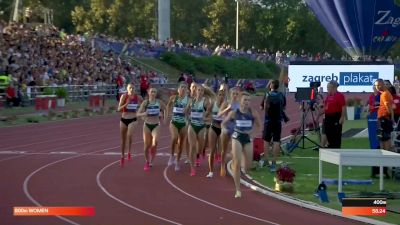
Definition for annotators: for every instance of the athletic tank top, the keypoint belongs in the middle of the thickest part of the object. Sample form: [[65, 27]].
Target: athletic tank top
[[178, 114], [133, 103], [230, 125], [197, 112], [215, 110], [153, 108], [235, 106], [243, 121]]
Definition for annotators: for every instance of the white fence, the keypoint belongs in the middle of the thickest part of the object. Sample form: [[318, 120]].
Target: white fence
[[81, 92]]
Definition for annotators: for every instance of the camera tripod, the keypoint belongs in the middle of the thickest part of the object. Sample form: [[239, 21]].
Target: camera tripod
[[300, 135]]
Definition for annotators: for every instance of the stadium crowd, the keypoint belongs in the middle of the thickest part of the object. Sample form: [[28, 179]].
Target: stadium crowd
[[46, 56], [141, 47]]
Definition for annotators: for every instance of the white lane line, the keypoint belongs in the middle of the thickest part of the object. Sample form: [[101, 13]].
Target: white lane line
[[64, 147], [69, 146], [43, 128], [212, 204], [12, 152], [64, 153], [112, 153], [47, 141], [27, 179], [100, 185]]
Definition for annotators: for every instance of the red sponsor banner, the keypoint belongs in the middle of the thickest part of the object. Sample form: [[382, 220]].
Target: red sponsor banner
[[53, 211], [364, 211]]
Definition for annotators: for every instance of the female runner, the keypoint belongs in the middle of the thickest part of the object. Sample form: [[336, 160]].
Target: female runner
[[128, 104], [246, 122], [215, 131], [151, 109], [227, 130], [199, 110], [177, 106]]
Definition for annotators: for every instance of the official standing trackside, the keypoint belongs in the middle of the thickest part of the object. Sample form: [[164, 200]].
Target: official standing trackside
[[274, 104], [335, 106], [373, 105], [385, 114]]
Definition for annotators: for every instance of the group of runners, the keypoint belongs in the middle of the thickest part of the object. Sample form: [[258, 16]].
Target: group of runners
[[198, 120]]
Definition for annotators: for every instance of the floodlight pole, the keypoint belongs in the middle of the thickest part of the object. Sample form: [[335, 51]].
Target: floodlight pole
[[15, 13], [237, 24]]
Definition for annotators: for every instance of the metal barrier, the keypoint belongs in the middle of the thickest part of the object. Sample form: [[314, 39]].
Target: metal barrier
[[75, 92], [82, 92]]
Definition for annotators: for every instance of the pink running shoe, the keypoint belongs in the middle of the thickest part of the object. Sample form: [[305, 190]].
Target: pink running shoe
[[146, 166], [192, 172], [197, 162], [122, 162], [129, 156]]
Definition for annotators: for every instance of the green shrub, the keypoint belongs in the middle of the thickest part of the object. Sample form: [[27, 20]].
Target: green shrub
[[61, 92], [48, 91], [235, 68]]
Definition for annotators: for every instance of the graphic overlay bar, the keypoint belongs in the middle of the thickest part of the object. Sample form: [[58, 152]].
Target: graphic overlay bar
[[53, 211], [364, 206], [364, 211]]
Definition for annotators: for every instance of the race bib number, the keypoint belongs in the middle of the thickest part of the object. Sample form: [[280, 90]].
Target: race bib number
[[177, 110], [132, 106], [153, 111], [196, 115], [244, 123]]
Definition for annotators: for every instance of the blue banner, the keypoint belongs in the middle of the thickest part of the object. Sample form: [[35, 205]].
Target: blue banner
[[360, 27]]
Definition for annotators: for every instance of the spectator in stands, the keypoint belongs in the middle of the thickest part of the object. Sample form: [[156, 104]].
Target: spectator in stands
[[226, 79], [11, 96], [144, 84], [249, 87], [215, 83], [189, 79], [120, 85], [181, 78]]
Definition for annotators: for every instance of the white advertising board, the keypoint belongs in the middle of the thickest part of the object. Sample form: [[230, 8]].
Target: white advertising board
[[351, 78]]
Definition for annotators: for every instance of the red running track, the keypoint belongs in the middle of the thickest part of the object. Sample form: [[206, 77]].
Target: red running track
[[73, 163]]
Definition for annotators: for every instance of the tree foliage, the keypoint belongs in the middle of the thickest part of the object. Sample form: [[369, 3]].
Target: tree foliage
[[270, 24]]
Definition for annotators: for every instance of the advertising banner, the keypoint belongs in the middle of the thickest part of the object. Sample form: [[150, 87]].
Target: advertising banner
[[351, 78]]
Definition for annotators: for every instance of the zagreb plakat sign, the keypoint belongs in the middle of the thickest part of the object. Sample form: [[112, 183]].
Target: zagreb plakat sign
[[351, 78]]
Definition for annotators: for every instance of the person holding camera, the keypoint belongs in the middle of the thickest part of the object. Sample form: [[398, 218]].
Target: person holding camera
[[274, 104], [335, 110]]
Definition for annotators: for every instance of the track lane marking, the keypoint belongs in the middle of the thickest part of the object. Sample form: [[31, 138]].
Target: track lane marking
[[100, 185], [212, 204]]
